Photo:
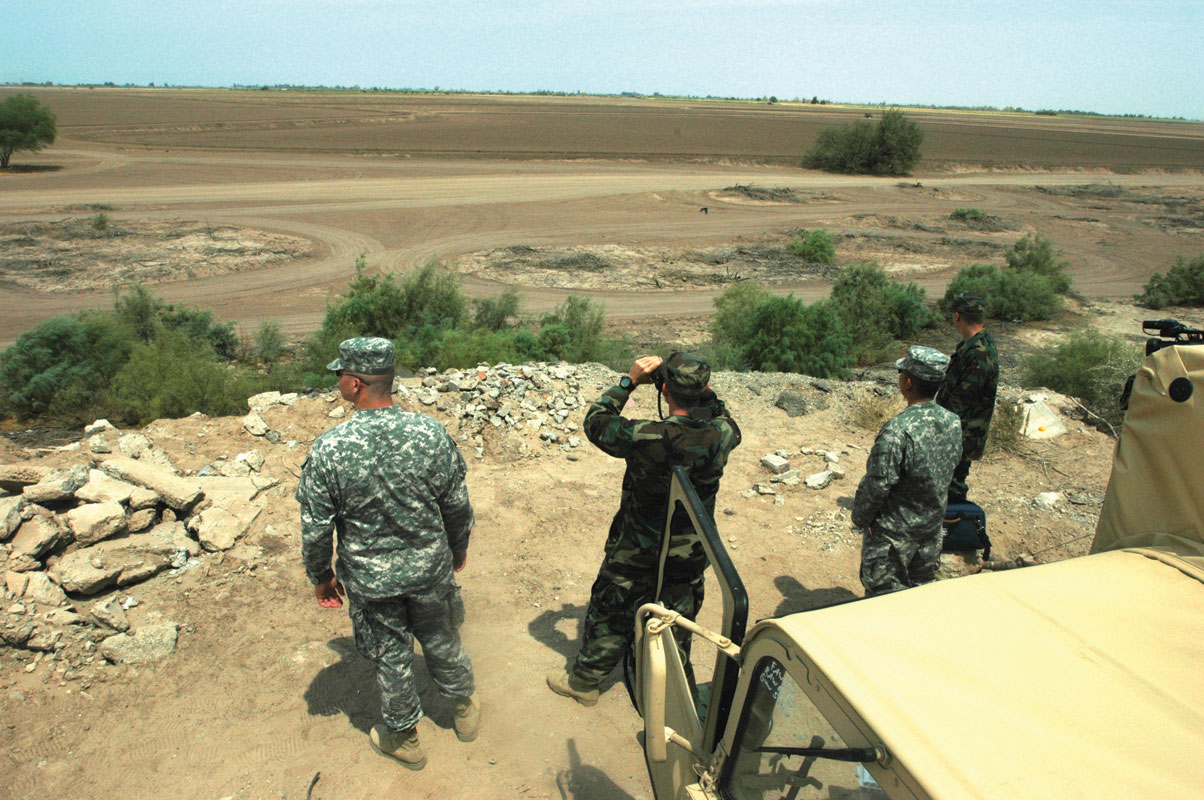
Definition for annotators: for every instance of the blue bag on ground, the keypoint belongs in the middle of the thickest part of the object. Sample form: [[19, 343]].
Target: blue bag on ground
[[966, 529]]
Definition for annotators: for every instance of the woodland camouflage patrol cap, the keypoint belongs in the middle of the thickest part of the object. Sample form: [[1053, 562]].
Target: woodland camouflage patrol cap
[[970, 303], [687, 376], [364, 355], [925, 363]]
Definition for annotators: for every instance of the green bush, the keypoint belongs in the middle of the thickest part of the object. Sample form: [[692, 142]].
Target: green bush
[[969, 214], [427, 299], [1183, 285], [172, 377], [1035, 254], [146, 315], [731, 327], [495, 313], [889, 147], [62, 367], [1090, 366], [1010, 295], [790, 336], [100, 222], [816, 246], [269, 341], [577, 334], [879, 309]]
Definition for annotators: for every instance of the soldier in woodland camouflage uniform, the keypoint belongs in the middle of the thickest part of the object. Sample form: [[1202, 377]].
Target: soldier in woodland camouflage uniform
[[969, 387], [900, 501], [391, 483], [698, 435]]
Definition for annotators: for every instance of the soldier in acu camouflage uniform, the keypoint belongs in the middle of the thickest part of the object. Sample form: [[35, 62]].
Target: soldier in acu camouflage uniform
[[698, 435], [391, 483], [969, 387], [900, 501]]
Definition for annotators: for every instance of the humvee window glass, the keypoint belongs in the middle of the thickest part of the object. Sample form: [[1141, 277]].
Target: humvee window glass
[[779, 718]]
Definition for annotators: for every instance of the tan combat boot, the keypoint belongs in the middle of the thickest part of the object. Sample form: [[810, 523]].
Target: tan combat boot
[[564, 683], [468, 718], [402, 746]]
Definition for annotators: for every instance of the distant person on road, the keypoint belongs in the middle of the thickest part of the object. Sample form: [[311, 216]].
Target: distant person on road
[[900, 502], [969, 387], [391, 483], [697, 435]]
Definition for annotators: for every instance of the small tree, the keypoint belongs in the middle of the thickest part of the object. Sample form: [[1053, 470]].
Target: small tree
[[1035, 253], [815, 246], [889, 147], [25, 125]]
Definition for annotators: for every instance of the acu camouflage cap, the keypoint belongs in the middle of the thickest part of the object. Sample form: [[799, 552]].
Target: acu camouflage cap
[[924, 363], [687, 376], [365, 355], [970, 303]]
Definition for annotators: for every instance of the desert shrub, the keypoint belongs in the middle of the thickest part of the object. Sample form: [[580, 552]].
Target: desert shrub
[[147, 315], [890, 146], [100, 222], [429, 298], [1035, 253], [787, 335], [172, 377], [816, 246], [138, 308], [462, 348], [577, 331], [1183, 285], [1004, 434], [62, 367], [870, 411], [1010, 295], [494, 313], [968, 214], [879, 309], [1090, 366], [269, 341], [731, 326]]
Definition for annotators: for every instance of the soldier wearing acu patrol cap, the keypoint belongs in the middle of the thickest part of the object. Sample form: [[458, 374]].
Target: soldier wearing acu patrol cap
[[900, 502], [391, 483], [698, 434], [970, 385]]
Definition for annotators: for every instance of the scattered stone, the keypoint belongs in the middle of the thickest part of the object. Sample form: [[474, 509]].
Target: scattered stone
[[219, 528], [93, 522], [110, 614], [41, 589], [177, 492], [142, 498], [134, 445], [15, 582], [338, 412], [1047, 501], [100, 488], [261, 401], [36, 538], [775, 463], [141, 520], [790, 477], [99, 427], [819, 480], [254, 424], [831, 457], [59, 486], [793, 403], [149, 643], [765, 488], [15, 477], [99, 444], [10, 515]]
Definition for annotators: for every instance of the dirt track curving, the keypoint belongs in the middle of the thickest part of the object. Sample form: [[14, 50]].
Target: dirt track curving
[[119, 149]]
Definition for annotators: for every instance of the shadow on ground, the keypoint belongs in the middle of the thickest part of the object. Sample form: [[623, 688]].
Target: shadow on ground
[[583, 782], [349, 687], [796, 597]]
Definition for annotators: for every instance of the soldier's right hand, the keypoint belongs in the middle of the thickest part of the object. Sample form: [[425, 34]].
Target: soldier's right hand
[[642, 369], [329, 593]]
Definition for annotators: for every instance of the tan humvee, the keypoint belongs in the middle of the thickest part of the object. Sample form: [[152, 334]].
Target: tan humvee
[[1081, 678]]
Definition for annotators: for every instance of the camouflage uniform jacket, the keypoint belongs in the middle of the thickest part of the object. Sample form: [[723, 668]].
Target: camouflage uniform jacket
[[392, 483], [969, 390], [652, 448], [908, 472]]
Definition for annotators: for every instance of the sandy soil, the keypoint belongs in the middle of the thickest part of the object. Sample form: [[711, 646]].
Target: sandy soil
[[264, 689]]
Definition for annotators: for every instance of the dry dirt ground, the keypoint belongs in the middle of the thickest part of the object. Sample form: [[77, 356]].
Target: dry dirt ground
[[264, 690]]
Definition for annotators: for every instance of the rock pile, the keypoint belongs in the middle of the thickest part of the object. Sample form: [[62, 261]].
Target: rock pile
[[119, 516]]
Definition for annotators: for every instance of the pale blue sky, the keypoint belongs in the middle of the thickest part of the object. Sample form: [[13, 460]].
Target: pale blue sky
[[1139, 56]]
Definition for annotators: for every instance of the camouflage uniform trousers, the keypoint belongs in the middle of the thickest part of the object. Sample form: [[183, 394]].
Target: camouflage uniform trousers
[[892, 561], [958, 487], [384, 634], [609, 626]]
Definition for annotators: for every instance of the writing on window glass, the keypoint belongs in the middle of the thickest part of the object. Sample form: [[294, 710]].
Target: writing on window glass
[[771, 678]]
